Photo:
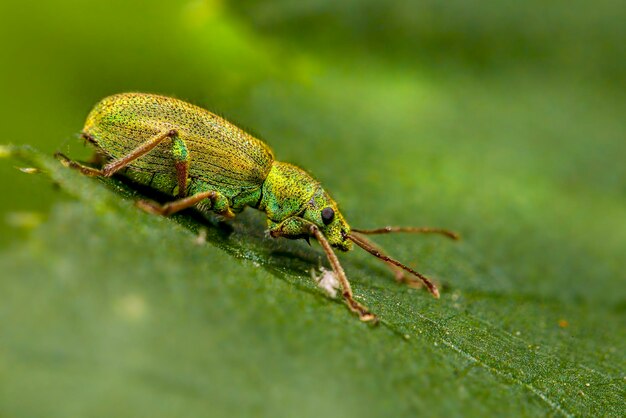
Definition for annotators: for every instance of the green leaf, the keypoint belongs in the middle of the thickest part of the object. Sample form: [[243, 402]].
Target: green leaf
[[488, 118], [108, 311]]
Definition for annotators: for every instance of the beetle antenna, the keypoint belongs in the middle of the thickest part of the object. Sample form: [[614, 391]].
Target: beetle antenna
[[409, 229], [375, 252]]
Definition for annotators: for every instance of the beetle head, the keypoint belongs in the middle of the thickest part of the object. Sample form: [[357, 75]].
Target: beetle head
[[323, 212]]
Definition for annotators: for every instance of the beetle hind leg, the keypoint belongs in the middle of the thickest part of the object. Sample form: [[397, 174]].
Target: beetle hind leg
[[179, 151], [119, 163], [181, 162]]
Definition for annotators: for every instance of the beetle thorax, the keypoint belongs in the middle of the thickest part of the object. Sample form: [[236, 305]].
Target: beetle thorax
[[292, 196], [286, 190]]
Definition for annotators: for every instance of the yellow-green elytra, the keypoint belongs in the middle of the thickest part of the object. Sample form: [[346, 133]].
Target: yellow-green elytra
[[207, 162]]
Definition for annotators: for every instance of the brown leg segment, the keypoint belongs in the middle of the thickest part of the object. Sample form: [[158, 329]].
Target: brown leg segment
[[177, 205], [88, 171], [116, 165], [182, 168], [356, 307]]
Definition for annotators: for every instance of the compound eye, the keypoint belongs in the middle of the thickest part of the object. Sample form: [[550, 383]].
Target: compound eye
[[328, 214]]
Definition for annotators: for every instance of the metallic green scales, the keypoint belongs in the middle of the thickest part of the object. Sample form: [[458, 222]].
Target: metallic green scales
[[223, 157]]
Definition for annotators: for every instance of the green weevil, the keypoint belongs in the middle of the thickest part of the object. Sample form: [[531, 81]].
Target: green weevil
[[206, 162]]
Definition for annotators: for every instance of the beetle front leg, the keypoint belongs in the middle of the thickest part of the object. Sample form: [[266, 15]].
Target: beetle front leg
[[295, 227], [364, 314]]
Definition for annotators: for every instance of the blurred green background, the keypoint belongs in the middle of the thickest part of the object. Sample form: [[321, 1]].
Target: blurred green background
[[503, 120]]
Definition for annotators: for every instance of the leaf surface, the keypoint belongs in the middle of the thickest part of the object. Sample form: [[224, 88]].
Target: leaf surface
[[108, 310]]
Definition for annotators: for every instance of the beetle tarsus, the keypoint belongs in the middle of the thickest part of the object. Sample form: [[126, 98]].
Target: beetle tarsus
[[86, 170], [364, 314]]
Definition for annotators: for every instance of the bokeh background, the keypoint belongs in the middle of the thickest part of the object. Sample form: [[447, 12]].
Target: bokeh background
[[503, 120]]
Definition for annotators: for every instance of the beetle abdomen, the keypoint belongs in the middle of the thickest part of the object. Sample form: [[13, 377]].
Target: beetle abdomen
[[221, 154]]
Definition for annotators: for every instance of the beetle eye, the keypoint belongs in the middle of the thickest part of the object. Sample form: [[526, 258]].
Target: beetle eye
[[328, 214]]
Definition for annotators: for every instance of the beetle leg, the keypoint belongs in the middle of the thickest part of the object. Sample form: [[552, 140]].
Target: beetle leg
[[86, 170], [179, 151], [292, 228], [364, 314], [186, 202], [181, 158], [116, 165], [296, 227]]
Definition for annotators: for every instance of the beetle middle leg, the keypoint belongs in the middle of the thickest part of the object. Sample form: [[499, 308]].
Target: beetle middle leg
[[219, 204]]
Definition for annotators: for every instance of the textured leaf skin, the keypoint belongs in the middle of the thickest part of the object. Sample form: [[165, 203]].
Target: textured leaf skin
[[118, 312], [503, 121]]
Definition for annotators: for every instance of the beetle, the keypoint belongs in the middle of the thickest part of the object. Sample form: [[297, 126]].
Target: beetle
[[207, 162]]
